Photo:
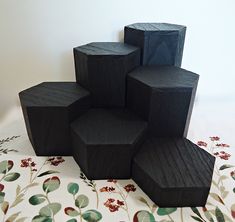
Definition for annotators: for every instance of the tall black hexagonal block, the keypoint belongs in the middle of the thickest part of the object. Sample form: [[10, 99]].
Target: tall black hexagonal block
[[104, 142], [48, 109], [173, 172], [101, 67], [163, 95], [161, 43]]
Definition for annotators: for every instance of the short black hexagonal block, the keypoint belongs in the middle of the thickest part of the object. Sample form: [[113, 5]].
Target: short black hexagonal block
[[48, 109], [161, 43], [163, 95], [173, 172], [104, 142], [101, 67]]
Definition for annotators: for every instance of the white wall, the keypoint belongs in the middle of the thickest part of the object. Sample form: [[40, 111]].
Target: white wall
[[37, 37]]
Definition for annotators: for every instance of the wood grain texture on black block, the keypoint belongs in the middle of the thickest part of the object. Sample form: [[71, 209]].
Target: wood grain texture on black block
[[163, 95], [173, 172], [48, 109], [101, 67], [160, 43], [105, 140]]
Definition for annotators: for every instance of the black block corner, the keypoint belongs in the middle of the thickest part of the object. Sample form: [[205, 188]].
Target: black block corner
[[160, 43], [101, 67], [48, 109], [105, 140], [173, 172], [164, 96]]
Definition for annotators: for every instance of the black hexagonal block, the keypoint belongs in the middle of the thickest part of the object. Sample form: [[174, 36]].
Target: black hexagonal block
[[161, 43], [101, 67], [173, 172], [163, 95], [105, 140], [48, 109]]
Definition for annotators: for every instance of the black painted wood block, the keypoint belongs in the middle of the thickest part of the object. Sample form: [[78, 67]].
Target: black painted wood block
[[48, 109], [163, 95], [101, 67], [105, 140], [173, 172], [160, 43]]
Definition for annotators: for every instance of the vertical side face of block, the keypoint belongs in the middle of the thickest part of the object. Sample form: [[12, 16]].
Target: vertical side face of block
[[80, 155], [146, 183], [107, 80], [103, 161], [136, 38], [170, 198], [180, 47], [131, 61], [50, 130], [81, 69], [160, 48], [27, 123], [169, 111], [79, 107], [138, 97], [190, 110]]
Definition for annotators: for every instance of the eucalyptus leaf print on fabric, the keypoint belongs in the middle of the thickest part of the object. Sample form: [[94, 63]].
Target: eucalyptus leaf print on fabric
[[81, 201], [49, 211]]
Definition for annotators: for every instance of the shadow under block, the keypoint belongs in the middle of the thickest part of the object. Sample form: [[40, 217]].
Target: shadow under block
[[101, 67], [164, 96], [48, 109], [104, 142], [160, 43], [173, 172]]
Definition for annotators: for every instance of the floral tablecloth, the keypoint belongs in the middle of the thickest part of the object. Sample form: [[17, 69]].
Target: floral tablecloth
[[44, 189]]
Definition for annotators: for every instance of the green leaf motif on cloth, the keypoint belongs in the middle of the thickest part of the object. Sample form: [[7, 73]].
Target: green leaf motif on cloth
[[82, 201], [6, 166], [40, 218], [73, 188], [72, 220], [47, 173], [2, 195], [219, 215], [70, 211], [92, 216], [165, 211], [51, 184], [143, 216], [11, 177], [37, 199], [50, 210], [226, 166]]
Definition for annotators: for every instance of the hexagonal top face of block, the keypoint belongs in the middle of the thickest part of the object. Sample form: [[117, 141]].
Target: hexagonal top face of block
[[52, 94], [109, 127], [156, 27], [165, 77], [107, 49], [175, 163]]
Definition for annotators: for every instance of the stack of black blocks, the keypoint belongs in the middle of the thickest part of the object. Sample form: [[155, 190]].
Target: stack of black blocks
[[127, 115]]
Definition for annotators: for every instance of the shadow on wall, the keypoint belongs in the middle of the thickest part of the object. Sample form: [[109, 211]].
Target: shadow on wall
[[66, 68], [121, 36]]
